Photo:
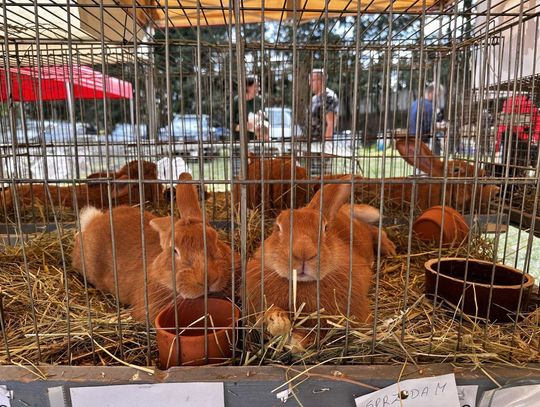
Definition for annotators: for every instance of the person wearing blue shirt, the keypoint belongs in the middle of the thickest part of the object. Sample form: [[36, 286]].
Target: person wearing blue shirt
[[425, 119]]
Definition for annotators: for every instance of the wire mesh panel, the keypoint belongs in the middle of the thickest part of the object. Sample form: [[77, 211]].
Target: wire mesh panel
[[252, 183]]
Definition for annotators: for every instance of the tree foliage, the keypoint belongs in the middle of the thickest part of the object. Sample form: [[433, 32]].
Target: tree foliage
[[318, 43]]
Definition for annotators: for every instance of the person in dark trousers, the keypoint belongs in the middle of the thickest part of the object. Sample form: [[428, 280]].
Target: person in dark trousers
[[424, 108], [253, 105]]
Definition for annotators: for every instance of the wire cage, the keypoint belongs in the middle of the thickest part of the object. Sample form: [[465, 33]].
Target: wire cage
[[147, 112]]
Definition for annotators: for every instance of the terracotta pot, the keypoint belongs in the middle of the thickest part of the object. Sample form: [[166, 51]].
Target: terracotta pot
[[428, 226], [505, 292], [192, 334]]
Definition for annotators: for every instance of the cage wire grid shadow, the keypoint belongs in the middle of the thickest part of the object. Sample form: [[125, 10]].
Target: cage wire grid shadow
[[106, 103]]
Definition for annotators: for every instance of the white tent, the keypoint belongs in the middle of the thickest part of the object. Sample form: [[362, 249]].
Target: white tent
[[61, 32], [501, 63]]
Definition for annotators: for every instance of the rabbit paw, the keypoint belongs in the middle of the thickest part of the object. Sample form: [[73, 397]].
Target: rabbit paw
[[277, 321], [300, 341], [387, 246]]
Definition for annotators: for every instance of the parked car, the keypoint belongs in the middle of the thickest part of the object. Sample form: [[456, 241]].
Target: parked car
[[30, 134], [62, 131], [281, 123], [53, 131], [221, 133], [188, 127], [126, 132]]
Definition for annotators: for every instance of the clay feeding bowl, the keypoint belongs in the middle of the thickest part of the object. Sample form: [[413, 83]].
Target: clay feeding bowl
[[509, 285], [429, 224], [191, 332]]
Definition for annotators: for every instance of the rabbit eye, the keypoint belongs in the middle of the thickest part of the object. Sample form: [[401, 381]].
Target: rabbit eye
[[278, 228], [176, 252], [325, 227]]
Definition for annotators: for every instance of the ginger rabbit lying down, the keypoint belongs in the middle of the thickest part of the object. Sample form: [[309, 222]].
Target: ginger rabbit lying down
[[399, 191], [335, 257], [185, 248], [94, 194]]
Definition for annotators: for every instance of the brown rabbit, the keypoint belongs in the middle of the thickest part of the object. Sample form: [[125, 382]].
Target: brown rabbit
[[94, 194], [276, 195], [186, 246], [334, 260], [399, 190], [126, 193], [458, 195]]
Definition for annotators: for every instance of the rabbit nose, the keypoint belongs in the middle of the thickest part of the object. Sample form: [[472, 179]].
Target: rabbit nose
[[305, 258], [304, 252]]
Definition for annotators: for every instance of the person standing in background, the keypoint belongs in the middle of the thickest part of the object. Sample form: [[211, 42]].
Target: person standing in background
[[424, 107], [256, 126], [322, 96], [253, 106]]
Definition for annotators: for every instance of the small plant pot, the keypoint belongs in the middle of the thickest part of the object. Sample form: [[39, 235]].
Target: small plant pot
[[508, 285], [428, 225], [191, 332]]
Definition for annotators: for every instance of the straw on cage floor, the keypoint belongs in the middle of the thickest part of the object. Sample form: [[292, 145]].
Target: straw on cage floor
[[42, 335], [412, 331]]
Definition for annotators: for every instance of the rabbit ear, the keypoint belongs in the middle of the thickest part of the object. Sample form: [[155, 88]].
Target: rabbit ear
[[425, 159], [187, 199], [251, 157], [334, 196], [97, 175], [121, 189], [362, 212], [163, 227], [149, 170]]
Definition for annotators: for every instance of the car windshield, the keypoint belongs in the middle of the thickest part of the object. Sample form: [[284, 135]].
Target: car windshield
[[278, 117], [189, 122]]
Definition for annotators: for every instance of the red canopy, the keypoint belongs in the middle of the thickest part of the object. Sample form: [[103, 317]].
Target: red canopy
[[87, 84]]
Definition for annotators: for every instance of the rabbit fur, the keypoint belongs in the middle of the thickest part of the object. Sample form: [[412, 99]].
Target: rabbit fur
[[160, 247]]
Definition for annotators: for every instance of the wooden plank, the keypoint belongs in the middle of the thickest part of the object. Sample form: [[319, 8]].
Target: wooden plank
[[249, 386], [523, 220]]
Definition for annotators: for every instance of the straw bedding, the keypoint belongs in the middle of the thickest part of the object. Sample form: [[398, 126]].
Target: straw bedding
[[523, 197], [409, 327], [414, 330]]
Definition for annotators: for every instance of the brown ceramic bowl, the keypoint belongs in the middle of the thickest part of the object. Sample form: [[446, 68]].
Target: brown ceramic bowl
[[428, 225], [192, 334], [505, 292]]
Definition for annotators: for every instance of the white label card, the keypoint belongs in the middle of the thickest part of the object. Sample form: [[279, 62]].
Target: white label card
[[146, 395], [5, 396], [518, 396], [437, 391], [467, 395]]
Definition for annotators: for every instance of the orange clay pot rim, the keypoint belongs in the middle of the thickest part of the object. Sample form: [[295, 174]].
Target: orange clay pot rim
[[447, 211], [529, 283], [440, 207], [195, 338], [451, 212]]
